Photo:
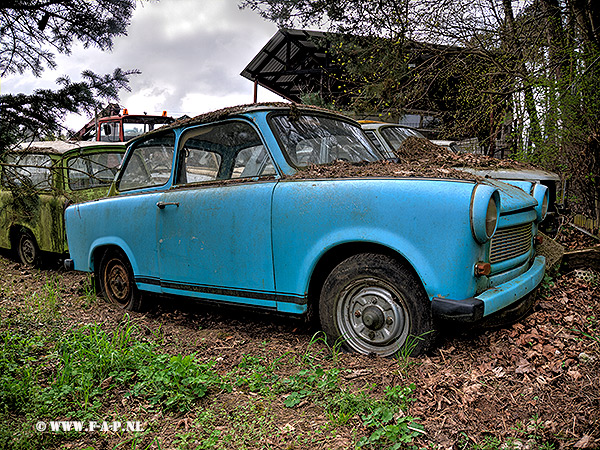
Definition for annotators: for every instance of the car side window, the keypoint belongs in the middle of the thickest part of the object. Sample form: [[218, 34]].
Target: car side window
[[373, 138], [109, 132], [221, 152], [149, 164], [200, 165], [31, 171], [253, 162], [89, 171]]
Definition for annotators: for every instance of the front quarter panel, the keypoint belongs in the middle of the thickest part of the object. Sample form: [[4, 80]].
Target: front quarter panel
[[425, 221]]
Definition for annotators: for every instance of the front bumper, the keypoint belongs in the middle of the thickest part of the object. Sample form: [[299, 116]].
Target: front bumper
[[493, 299]]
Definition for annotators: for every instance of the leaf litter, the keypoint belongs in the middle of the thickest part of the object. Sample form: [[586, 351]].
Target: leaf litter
[[535, 380]]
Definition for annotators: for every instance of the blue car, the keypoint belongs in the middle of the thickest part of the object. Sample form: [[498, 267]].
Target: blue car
[[221, 208]]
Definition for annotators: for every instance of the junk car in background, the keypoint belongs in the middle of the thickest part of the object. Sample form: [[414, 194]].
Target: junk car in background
[[388, 137], [38, 180], [244, 206]]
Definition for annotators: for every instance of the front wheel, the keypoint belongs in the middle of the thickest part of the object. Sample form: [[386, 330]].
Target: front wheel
[[117, 283], [373, 305]]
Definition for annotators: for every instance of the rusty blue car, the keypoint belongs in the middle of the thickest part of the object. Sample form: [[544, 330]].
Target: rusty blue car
[[221, 207]]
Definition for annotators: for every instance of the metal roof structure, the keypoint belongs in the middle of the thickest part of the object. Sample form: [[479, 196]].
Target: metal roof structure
[[295, 62]]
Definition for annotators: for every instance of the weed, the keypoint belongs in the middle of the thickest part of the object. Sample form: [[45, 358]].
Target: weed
[[175, 382], [594, 337], [89, 296], [345, 405], [310, 382], [256, 375], [18, 370], [403, 356], [44, 304], [547, 282], [311, 356], [391, 428]]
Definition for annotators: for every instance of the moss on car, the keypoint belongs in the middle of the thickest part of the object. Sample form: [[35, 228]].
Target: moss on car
[[38, 180]]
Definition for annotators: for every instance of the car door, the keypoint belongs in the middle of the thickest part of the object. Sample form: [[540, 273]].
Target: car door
[[215, 224], [130, 217]]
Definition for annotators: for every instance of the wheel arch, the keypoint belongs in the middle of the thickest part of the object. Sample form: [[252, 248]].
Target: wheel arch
[[100, 249], [335, 255], [15, 231]]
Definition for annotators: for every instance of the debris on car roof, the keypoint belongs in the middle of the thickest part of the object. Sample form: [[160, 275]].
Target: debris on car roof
[[231, 111]]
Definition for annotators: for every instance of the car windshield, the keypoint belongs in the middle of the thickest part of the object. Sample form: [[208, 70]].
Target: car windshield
[[395, 136], [135, 128], [315, 139]]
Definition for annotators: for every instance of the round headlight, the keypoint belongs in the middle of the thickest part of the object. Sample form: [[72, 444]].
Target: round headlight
[[491, 218], [485, 212], [540, 193], [545, 205]]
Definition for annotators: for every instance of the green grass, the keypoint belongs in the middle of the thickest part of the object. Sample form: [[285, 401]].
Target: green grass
[[44, 377], [123, 373], [47, 374]]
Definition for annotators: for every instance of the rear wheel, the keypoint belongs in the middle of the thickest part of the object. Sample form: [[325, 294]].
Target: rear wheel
[[117, 283], [27, 249], [374, 305]]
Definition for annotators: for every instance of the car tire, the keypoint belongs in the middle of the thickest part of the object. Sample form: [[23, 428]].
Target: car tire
[[28, 251], [371, 304], [116, 281]]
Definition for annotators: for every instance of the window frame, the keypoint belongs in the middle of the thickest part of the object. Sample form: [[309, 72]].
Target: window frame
[[131, 152], [182, 139]]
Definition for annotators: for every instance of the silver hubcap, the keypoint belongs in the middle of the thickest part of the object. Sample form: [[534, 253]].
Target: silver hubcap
[[372, 317]]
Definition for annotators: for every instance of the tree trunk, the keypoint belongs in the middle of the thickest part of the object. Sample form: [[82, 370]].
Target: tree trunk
[[514, 48]]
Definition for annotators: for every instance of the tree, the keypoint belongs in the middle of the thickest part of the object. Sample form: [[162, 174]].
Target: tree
[[31, 33], [532, 65], [40, 114], [30, 30]]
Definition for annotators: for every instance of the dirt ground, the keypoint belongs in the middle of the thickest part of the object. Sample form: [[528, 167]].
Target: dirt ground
[[536, 376]]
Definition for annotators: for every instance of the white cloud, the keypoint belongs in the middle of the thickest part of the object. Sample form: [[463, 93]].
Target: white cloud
[[201, 103], [190, 54]]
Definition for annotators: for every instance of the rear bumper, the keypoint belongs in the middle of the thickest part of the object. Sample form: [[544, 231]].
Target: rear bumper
[[492, 300], [69, 264]]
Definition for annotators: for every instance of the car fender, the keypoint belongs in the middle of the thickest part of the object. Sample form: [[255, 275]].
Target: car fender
[[111, 241], [425, 222], [371, 236]]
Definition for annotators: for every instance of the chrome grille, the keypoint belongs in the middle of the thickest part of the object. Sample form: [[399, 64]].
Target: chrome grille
[[510, 242]]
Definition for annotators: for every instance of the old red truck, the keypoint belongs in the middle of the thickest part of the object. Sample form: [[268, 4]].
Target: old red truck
[[116, 125]]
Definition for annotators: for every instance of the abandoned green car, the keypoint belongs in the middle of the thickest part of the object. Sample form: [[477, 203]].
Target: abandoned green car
[[38, 180]]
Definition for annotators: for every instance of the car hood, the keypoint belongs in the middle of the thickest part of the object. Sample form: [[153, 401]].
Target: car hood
[[513, 198], [536, 175]]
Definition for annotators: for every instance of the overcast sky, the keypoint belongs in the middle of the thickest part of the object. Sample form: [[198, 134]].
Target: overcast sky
[[190, 54]]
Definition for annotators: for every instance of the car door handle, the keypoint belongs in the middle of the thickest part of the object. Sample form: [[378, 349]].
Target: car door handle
[[161, 205]]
